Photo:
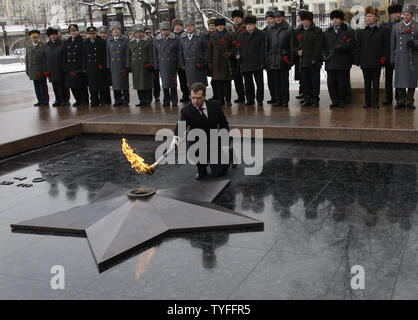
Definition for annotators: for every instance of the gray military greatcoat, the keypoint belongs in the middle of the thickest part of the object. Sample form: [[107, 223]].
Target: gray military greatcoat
[[140, 61], [166, 59], [193, 56], [34, 61], [404, 57], [117, 51]]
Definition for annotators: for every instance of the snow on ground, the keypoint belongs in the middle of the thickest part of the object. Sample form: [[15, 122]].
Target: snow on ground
[[11, 57], [13, 67]]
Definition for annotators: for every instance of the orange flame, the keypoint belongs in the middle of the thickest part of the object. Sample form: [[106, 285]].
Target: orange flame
[[136, 161], [144, 260]]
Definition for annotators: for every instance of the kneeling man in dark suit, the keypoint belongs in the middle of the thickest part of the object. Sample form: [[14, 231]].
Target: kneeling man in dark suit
[[206, 115]]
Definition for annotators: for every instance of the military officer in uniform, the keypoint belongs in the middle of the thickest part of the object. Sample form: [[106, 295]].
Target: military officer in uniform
[[178, 26], [193, 55], [404, 54], [35, 70], [140, 62], [395, 12], [75, 75], [236, 29], [117, 50], [166, 60], [95, 48]]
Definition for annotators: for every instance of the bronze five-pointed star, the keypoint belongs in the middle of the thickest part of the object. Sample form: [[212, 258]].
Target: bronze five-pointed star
[[116, 226]]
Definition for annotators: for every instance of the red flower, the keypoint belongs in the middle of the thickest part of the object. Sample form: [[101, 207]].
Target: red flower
[[241, 29], [198, 65], [234, 42], [148, 65], [345, 37], [299, 37], [46, 74], [407, 31], [100, 66], [38, 74], [73, 74], [286, 59], [223, 41], [383, 60], [238, 44], [348, 40]]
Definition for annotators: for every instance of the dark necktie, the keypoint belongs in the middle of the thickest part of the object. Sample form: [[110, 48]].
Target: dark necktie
[[203, 113]]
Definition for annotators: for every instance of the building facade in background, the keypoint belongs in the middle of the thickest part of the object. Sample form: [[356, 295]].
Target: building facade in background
[[49, 12]]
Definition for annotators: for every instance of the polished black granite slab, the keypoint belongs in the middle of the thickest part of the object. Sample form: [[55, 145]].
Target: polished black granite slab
[[325, 206]]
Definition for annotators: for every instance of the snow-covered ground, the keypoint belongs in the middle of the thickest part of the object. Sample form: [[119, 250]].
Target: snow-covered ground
[[11, 57], [13, 67]]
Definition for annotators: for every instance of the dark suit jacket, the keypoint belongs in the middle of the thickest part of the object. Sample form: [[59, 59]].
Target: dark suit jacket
[[194, 119]]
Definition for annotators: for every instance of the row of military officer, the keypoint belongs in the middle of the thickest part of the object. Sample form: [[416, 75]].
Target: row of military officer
[[93, 64], [78, 64], [393, 45]]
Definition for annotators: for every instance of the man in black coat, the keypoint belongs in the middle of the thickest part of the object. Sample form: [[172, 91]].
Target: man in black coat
[[156, 83], [107, 100], [395, 12], [95, 65], [212, 29], [204, 114], [309, 42], [53, 69], [251, 56], [236, 29], [75, 75], [339, 45], [278, 52], [178, 27], [269, 22], [372, 52]]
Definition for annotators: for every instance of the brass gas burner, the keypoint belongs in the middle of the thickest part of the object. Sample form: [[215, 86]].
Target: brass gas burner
[[141, 193]]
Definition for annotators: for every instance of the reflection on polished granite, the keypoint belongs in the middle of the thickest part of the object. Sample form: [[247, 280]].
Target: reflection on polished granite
[[326, 207]]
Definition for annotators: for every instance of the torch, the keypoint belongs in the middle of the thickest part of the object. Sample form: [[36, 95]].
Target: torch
[[165, 155], [138, 163]]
